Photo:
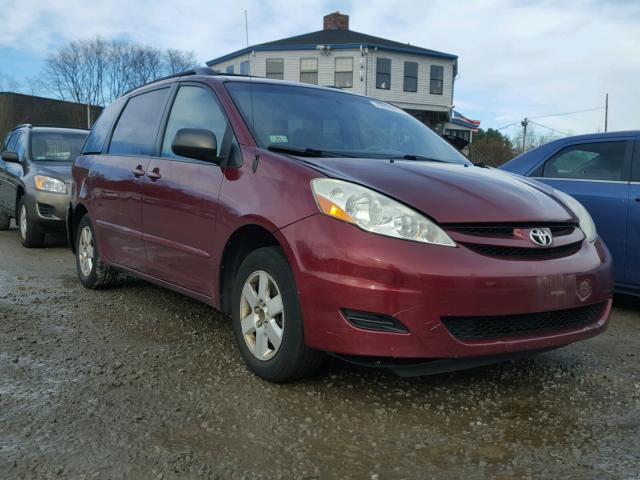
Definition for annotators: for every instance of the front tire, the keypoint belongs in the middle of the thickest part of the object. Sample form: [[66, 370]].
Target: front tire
[[31, 234], [92, 272], [267, 319]]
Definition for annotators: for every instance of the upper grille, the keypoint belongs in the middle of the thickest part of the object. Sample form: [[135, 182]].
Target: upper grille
[[506, 230], [524, 253], [474, 328]]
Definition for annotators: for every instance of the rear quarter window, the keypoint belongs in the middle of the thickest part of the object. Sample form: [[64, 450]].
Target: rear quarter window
[[100, 131]]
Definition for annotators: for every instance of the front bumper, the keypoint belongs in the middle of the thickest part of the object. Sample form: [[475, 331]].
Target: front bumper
[[338, 266], [49, 209]]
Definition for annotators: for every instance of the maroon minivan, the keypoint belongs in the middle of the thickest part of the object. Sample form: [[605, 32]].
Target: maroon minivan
[[324, 221]]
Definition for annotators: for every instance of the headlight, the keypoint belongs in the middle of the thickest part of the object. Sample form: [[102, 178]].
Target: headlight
[[49, 184], [375, 213], [586, 222]]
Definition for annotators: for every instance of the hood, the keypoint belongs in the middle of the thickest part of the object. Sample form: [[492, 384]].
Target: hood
[[451, 193], [59, 170]]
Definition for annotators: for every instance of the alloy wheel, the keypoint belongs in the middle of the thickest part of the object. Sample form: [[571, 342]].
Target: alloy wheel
[[86, 251], [262, 315]]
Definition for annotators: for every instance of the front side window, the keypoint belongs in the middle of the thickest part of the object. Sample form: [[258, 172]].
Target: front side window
[[230, 69], [195, 107], [383, 73], [10, 142], [335, 121], [101, 128], [137, 127], [244, 67], [275, 68], [410, 77], [309, 70], [56, 146], [437, 80], [589, 161], [344, 72]]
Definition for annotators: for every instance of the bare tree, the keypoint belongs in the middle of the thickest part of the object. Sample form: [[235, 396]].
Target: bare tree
[[96, 71], [176, 61]]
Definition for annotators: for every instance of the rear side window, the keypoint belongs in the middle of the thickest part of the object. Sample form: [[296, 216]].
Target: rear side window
[[102, 127], [194, 107], [137, 129], [589, 161]]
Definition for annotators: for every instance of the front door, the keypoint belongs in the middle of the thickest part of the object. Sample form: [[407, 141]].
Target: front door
[[181, 196], [596, 173], [632, 265], [6, 187], [117, 176]]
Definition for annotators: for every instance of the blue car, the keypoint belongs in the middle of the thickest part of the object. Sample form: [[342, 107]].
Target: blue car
[[602, 171]]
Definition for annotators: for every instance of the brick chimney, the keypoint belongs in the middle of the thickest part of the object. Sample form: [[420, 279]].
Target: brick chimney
[[336, 21]]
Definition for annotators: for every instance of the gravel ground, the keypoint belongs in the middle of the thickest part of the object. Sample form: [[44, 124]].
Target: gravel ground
[[139, 382]]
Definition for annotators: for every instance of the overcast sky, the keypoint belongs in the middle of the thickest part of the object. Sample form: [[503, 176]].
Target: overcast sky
[[516, 58]]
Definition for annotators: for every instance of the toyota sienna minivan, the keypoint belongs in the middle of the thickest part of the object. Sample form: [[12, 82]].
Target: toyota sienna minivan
[[328, 222]]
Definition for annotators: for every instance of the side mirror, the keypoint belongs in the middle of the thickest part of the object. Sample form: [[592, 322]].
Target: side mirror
[[10, 157], [196, 143]]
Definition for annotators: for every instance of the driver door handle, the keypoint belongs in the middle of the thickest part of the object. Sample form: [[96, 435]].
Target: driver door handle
[[138, 171], [154, 175]]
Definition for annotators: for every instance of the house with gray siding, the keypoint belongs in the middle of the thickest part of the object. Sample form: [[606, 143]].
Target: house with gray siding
[[416, 79]]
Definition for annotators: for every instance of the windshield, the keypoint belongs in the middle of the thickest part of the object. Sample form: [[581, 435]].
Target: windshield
[[56, 146], [335, 122]]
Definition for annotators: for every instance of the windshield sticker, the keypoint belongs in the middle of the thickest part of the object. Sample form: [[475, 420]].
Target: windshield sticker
[[385, 106], [278, 139]]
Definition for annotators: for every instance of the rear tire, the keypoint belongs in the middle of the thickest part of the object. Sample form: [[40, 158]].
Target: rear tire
[[267, 319], [92, 272], [5, 221], [31, 235]]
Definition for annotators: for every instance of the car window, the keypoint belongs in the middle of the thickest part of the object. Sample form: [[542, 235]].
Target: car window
[[20, 145], [137, 128], [10, 142], [56, 146], [101, 128], [195, 107], [332, 120], [589, 161]]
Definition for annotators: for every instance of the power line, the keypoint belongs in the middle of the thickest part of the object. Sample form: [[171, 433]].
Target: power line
[[567, 113], [550, 128], [506, 126]]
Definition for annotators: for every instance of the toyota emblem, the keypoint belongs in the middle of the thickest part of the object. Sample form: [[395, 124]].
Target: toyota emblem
[[541, 236]]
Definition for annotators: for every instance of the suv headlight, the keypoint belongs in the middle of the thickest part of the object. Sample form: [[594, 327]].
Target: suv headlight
[[375, 213], [585, 220], [48, 184]]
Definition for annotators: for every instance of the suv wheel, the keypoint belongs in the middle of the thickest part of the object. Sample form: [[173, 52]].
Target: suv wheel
[[5, 221], [267, 319], [30, 233], [91, 271]]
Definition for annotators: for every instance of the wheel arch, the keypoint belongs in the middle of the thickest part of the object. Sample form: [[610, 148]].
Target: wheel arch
[[244, 240], [73, 220]]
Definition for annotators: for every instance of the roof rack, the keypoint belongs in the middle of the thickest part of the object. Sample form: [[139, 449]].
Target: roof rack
[[194, 71], [46, 125]]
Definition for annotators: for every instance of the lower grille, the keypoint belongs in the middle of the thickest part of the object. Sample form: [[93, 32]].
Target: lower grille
[[524, 253], [45, 210], [474, 328]]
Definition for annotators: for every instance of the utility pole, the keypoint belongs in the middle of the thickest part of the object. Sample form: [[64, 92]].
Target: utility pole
[[606, 111], [524, 124], [88, 116]]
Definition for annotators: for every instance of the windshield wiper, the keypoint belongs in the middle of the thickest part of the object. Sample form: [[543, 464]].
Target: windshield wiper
[[305, 152], [417, 157]]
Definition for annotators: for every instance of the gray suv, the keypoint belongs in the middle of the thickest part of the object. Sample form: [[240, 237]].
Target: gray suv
[[35, 179]]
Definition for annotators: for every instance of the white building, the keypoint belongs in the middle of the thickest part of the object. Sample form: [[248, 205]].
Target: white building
[[418, 80]]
